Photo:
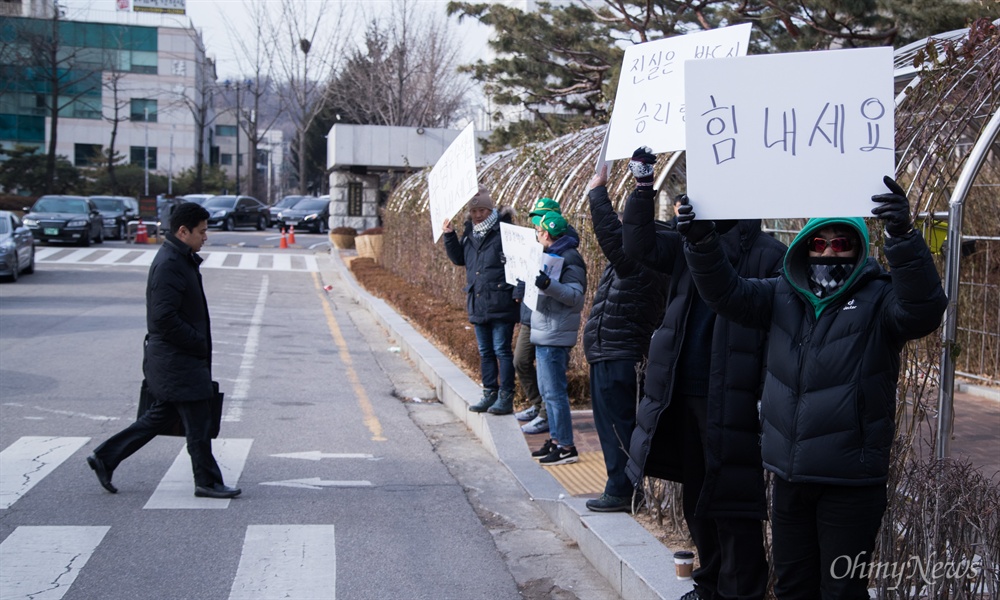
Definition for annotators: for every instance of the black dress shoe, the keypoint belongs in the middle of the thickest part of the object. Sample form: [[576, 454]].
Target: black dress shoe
[[103, 475], [217, 490]]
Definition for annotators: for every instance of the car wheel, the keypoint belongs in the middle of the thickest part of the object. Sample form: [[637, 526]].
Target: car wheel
[[17, 268], [31, 263], [261, 223], [321, 227], [229, 224], [100, 236], [121, 232]]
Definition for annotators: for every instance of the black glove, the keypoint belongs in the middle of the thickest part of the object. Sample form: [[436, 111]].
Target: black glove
[[692, 230], [518, 293], [641, 166], [503, 258], [894, 209], [543, 281]]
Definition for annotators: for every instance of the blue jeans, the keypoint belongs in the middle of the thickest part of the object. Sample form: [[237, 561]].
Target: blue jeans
[[552, 363], [495, 355]]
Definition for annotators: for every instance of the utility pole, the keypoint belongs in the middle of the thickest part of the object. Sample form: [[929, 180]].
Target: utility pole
[[145, 148]]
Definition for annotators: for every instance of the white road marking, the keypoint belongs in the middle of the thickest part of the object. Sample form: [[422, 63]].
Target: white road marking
[[287, 561], [214, 259], [29, 460], [68, 413], [176, 489], [241, 389], [317, 455], [315, 483], [41, 563]]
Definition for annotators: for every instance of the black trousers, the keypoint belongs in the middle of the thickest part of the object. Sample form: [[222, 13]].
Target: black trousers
[[524, 366], [613, 386], [733, 564], [823, 537], [160, 418]]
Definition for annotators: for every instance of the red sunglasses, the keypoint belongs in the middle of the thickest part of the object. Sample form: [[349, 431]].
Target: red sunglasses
[[839, 244]]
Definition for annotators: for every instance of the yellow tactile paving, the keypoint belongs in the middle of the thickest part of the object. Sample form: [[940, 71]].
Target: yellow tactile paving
[[583, 478]]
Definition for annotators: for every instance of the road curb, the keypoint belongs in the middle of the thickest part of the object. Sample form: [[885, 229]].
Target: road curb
[[634, 562]]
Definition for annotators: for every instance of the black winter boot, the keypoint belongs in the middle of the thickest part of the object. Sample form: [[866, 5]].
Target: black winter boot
[[488, 399], [503, 406]]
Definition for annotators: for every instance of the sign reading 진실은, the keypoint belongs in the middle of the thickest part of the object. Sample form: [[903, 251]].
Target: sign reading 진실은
[[802, 134], [174, 7]]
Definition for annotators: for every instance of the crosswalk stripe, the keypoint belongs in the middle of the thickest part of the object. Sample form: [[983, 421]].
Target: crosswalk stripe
[[28, 460], [41, 563], [176, 489], [286, 561], [214, 259]]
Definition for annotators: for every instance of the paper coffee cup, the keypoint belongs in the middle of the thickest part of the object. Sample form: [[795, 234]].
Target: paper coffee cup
[[684, 564]]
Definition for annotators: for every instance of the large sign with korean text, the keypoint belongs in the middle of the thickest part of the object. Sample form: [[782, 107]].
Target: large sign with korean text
[[175, 7], [804, 134], [649, 105], [453, 180]]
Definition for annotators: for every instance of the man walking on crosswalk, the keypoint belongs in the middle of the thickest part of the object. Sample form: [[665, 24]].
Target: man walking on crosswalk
[[177, 361]]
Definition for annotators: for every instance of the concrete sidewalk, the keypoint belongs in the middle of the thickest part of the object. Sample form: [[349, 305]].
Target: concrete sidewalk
[[634, 562]]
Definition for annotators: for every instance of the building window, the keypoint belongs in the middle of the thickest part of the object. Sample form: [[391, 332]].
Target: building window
[[355, 194], [137, 156], [225, 159], [143, 110], [87, 155], [225, 130]]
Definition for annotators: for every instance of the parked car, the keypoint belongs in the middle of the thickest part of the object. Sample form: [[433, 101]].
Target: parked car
[[116, 212], [309, 213], [17, 247], [230, 212], [286, 202], [65, 219], [197, 198]]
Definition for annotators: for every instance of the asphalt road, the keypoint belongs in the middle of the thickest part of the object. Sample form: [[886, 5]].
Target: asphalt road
[[348, 490]]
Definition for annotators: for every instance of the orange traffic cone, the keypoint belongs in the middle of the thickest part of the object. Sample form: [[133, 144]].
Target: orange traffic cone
[[141, 236], [291, 235], [284, 242]]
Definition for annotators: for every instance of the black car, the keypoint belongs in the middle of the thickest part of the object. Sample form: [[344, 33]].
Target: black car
[[230, 212], [116, 211], [309, 213], [286, 202], [65, 219]]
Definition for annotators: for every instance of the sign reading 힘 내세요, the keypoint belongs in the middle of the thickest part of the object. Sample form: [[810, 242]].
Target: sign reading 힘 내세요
[[649, 104], [803, 134], [175, 7]]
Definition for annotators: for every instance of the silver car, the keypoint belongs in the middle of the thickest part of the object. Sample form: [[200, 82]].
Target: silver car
[[17, 247]]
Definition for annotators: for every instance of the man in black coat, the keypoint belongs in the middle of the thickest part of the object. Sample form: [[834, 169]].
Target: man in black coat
[[489, 298], [697, 422], [838, 322], [177, 360], [626, 309]]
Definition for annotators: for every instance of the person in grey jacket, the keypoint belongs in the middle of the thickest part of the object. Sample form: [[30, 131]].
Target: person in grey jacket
[[177, 360], [555, 323], [838, 323], [489, 298]]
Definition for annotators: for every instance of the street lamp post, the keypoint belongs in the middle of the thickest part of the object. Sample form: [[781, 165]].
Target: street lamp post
[[145, 150], [237, 86]]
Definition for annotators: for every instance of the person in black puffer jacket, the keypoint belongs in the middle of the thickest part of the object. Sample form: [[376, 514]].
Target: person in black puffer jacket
[[837, 323], [697, 422], [177, 359], [627, 307], [490, 300]]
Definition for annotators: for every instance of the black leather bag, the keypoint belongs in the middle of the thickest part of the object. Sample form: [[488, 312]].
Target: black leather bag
[[147, 400]]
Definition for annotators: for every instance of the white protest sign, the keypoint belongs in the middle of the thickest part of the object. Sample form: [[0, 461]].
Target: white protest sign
[[649, 104], [453, 180], [805, 134], [522, 251], [552, 265]]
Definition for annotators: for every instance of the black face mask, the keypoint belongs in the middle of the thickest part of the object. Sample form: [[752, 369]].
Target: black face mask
[[828, 273], [725, 225]]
